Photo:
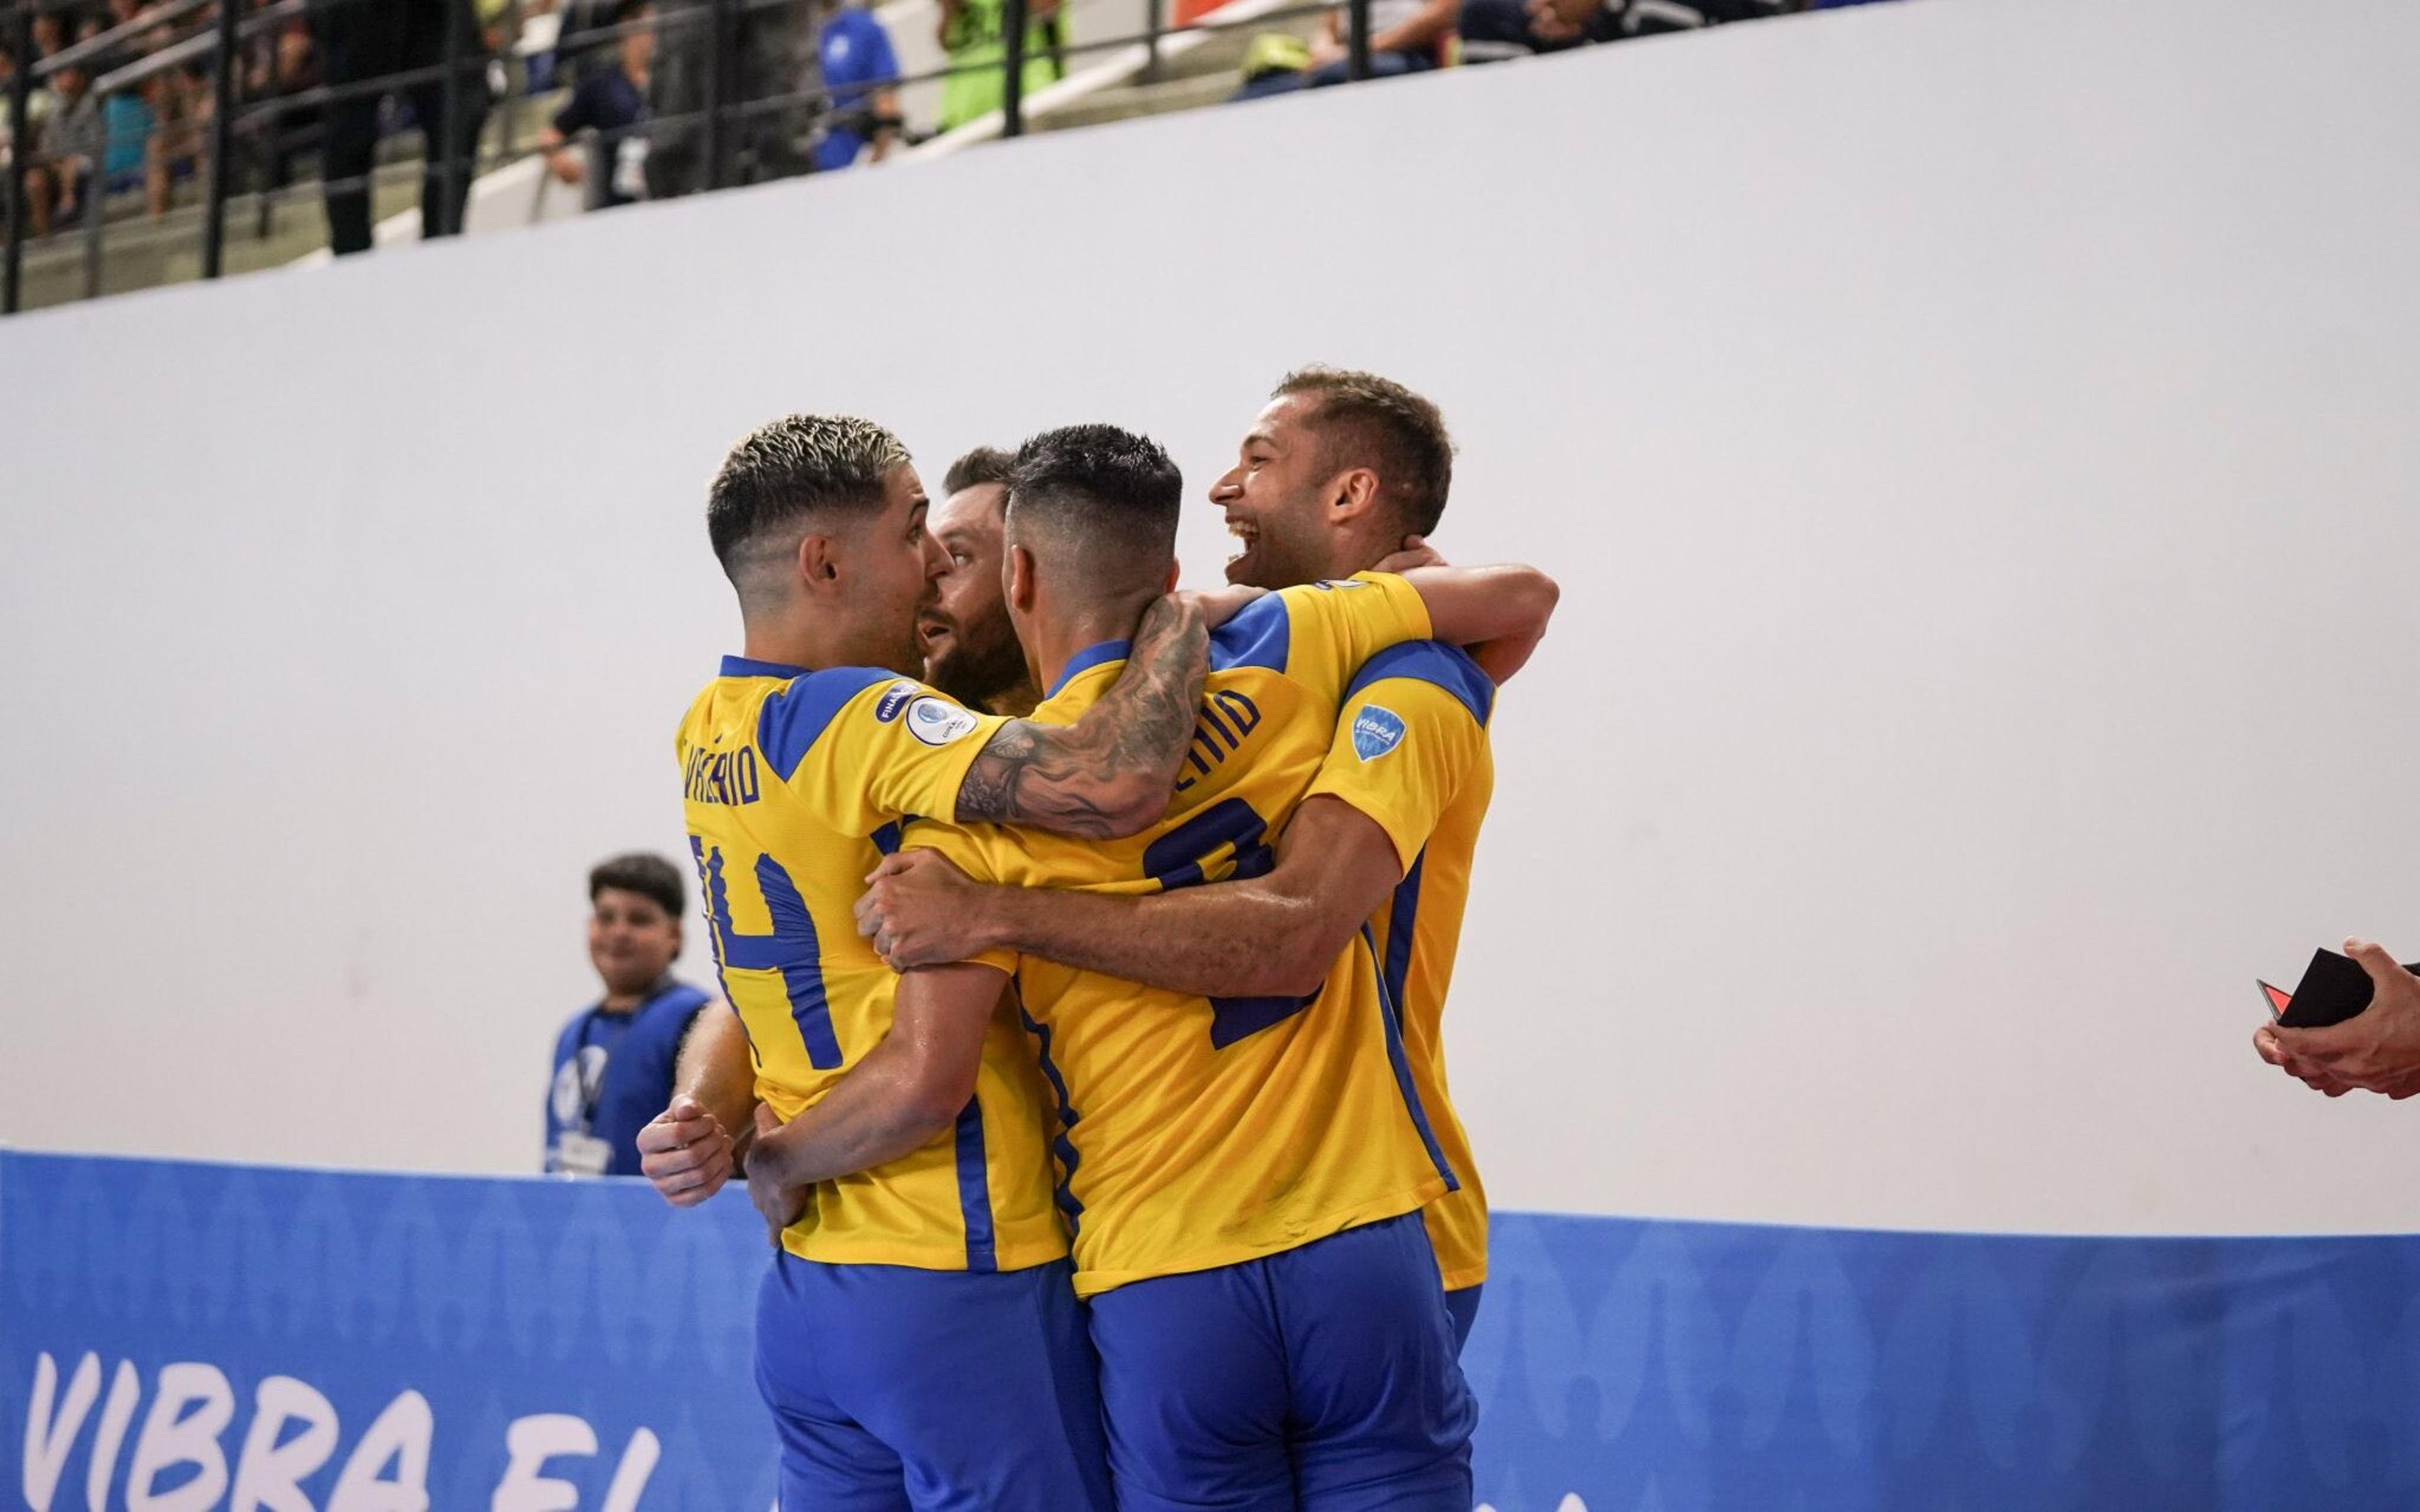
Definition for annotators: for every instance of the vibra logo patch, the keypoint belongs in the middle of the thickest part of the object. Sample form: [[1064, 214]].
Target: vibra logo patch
[[1376, 731]]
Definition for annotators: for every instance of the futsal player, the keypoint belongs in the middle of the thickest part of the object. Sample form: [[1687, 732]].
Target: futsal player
[[1336, 473], [916, 1338], [970, 650], [1243, 1175]]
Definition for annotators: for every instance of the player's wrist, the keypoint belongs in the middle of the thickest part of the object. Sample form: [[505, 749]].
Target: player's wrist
[[1001, 918]]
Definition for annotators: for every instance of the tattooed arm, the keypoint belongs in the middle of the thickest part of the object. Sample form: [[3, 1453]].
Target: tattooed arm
[[1109, 773]]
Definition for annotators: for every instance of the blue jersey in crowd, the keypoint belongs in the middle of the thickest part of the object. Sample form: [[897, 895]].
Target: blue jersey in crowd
[[857, 60], [613, 1074]]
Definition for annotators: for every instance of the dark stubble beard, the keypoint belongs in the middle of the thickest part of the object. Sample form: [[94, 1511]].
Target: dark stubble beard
[[975, 675]]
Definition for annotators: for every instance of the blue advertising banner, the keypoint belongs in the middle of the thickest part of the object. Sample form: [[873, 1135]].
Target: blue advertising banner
[[177, 1338]]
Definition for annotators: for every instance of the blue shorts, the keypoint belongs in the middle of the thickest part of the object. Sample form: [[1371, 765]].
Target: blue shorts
[[1462, 1306], [900, 1390], [1321, 1378]]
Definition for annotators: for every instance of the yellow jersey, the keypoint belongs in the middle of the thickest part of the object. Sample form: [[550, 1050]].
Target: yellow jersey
[[794, 783], [1191, 1131], [1411, 751]]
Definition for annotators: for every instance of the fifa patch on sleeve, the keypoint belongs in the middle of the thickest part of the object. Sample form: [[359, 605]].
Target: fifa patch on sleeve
[[936, 722], [1375, 731], [895, 699]]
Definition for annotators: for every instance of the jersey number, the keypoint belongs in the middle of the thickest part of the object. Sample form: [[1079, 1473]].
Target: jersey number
[[790, 949], [1176, 859]]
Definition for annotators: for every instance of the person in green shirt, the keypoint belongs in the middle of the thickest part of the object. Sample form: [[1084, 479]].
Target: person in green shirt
[[972, 36]]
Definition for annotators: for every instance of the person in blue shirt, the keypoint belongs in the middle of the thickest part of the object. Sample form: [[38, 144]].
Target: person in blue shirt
[[613, 1062], [860, 69]]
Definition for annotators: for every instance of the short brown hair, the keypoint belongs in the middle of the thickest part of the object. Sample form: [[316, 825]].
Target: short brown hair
[[1378, 424], [984, 464], [651, 877]]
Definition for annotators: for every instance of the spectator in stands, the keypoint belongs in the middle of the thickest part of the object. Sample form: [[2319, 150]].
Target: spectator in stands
[[2377, 1050], [49, 32], [73, 139], [772, 63], [279, 64], [180, 107], [613, 1062], [971, 652], [8, 75], [608, 104], [860, 69], [1405, 37], [363, 42], [972, 34]]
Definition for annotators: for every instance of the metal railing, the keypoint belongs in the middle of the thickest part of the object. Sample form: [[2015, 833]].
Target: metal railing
[[214, 35]]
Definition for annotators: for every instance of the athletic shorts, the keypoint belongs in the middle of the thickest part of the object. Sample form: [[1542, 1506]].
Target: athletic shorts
[[1321, 1377], [901, 1390]]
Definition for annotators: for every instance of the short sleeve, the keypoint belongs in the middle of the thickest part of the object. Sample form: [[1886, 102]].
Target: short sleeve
[[902, 748], [968, 850], [1412, 729], [1333, 627]]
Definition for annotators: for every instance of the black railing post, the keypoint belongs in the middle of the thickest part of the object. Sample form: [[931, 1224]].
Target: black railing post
[[719, 29], [222, 139], [449, 177], [1155, 22], [96, 199], [1012, 67], [21, 140], [1356, 57]]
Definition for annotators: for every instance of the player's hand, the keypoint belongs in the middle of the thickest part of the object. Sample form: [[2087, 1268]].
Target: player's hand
[[777, 1202], [686, 1152], [1220, 605], [2378, 1049], [919, 910], [1416, 552], [2264, 1043]]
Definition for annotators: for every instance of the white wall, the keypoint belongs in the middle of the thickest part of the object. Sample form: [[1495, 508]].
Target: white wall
[[1977, 436]]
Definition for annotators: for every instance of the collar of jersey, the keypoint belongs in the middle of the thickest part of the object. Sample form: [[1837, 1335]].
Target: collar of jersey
[[1088, 658], [742, 667]]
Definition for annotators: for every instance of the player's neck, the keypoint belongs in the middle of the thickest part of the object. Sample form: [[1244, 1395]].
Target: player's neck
[[1354, 555], [799, 641], [1056, 642]]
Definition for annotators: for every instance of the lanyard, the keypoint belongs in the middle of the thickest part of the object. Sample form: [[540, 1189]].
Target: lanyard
[[592, 1082]]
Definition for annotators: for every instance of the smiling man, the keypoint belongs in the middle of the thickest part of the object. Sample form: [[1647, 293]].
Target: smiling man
[[613, 1062]]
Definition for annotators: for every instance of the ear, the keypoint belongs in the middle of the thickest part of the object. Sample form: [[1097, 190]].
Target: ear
[[1352, 496], [1021, 582], [1170, 586], [818, 563]]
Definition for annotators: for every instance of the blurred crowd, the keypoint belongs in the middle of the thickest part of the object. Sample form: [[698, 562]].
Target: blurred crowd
[[1413, 36], [93, 135], [124, 96]]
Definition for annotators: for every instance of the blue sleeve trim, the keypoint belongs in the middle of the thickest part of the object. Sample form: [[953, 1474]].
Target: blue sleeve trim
[[1430, 661], [1258, 636], [796, 717]]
